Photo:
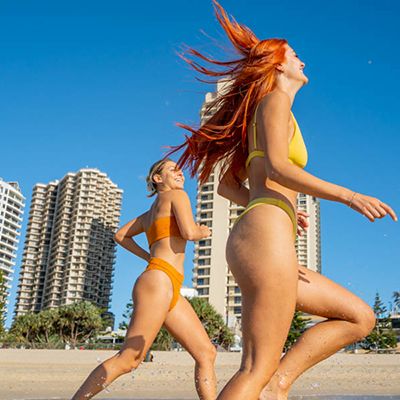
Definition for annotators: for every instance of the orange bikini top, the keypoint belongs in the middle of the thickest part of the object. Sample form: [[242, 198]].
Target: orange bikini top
[[161, 228]]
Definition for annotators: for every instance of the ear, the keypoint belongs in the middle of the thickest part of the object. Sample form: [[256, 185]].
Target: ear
[[157, 178], [279, 67]]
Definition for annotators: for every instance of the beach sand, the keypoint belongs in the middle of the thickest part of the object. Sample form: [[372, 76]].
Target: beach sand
[[46, 374]]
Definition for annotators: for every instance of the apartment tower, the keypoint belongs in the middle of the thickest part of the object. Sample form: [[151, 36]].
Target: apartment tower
[[12, 204], [69, 251], [211, 276]]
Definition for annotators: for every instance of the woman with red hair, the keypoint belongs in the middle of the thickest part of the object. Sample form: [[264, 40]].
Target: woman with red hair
[[254, 136]]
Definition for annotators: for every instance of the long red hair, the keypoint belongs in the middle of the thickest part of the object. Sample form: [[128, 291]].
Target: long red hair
[[223, 137]]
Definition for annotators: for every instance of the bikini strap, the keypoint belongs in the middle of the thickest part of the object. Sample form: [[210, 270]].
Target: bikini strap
[[255, 128]]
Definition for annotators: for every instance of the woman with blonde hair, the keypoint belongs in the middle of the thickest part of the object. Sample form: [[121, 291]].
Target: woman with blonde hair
[[254, 136], [168, 225]]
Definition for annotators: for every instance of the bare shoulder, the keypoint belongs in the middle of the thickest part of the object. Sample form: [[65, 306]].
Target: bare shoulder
[[276, 100], [177, 195], [143, 219]]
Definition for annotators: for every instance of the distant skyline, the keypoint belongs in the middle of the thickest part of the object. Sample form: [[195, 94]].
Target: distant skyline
[[100, 86]]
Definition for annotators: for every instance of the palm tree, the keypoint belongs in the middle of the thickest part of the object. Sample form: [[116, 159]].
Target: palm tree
[[127, 315], [47, 324], [396, 302], [78, 322], [213, 322]]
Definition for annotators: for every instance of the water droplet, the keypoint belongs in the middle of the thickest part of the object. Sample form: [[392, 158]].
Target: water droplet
[[104, 386], [369, 62]]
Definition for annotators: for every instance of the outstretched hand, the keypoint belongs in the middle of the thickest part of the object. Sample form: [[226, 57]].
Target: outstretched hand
[[371, 207], [302, 222]]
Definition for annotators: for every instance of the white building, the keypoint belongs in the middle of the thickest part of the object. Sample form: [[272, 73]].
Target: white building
[[12, 204], [69, 250], [188, 292]]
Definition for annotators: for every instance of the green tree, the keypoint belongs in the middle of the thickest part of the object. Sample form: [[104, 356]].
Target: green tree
[[3, 304], [24, 328], [78, 322], [298, 326], [163, 341], [213, 322], [396, 302], [46, 331], [382, 336], [107, 319], [127, 316]]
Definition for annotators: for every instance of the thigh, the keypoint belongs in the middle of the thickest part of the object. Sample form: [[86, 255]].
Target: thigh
[[184, 325], [263, 261], [152, 295], [319, 295]]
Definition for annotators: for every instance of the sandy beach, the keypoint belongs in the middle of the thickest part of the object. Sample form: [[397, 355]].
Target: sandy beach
[[49, 374]]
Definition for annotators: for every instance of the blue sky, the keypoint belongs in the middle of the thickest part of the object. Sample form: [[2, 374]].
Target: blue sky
[[99, 84]]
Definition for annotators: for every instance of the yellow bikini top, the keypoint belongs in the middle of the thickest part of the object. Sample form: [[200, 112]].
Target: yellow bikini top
[[297, 148]]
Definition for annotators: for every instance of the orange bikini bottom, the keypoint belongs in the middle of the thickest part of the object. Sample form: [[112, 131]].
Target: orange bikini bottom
[[175, 276]]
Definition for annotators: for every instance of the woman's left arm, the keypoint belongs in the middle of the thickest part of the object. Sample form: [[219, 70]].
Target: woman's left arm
[[125, 234], [233, 190]]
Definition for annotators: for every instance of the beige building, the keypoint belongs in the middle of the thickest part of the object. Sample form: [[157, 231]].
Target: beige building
[[12, 204], [211, 276], [69, 251]]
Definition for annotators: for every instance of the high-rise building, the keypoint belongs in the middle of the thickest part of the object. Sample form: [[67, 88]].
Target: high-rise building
[[211, 276], [12, 204], [69, 251]]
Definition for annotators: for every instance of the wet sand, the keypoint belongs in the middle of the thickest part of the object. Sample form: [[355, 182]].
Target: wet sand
[[50, 374]]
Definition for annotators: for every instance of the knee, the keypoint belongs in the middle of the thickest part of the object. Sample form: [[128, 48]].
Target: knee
[[261, 373], [366, 322], [127, 364], [206, 355]]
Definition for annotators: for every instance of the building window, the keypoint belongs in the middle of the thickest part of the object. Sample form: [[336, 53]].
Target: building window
[[237, 310]]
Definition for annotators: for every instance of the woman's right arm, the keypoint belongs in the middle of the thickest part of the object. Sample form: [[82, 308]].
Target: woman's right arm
[[184, 217], [273, 120], [124, 237]]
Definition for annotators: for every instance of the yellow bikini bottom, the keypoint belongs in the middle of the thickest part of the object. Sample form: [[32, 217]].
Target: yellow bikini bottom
[[275, 202], [175, 276]]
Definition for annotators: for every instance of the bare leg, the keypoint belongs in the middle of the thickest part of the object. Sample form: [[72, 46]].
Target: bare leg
[[152, 294], [267, 276], [183, 323], [349, 320]]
